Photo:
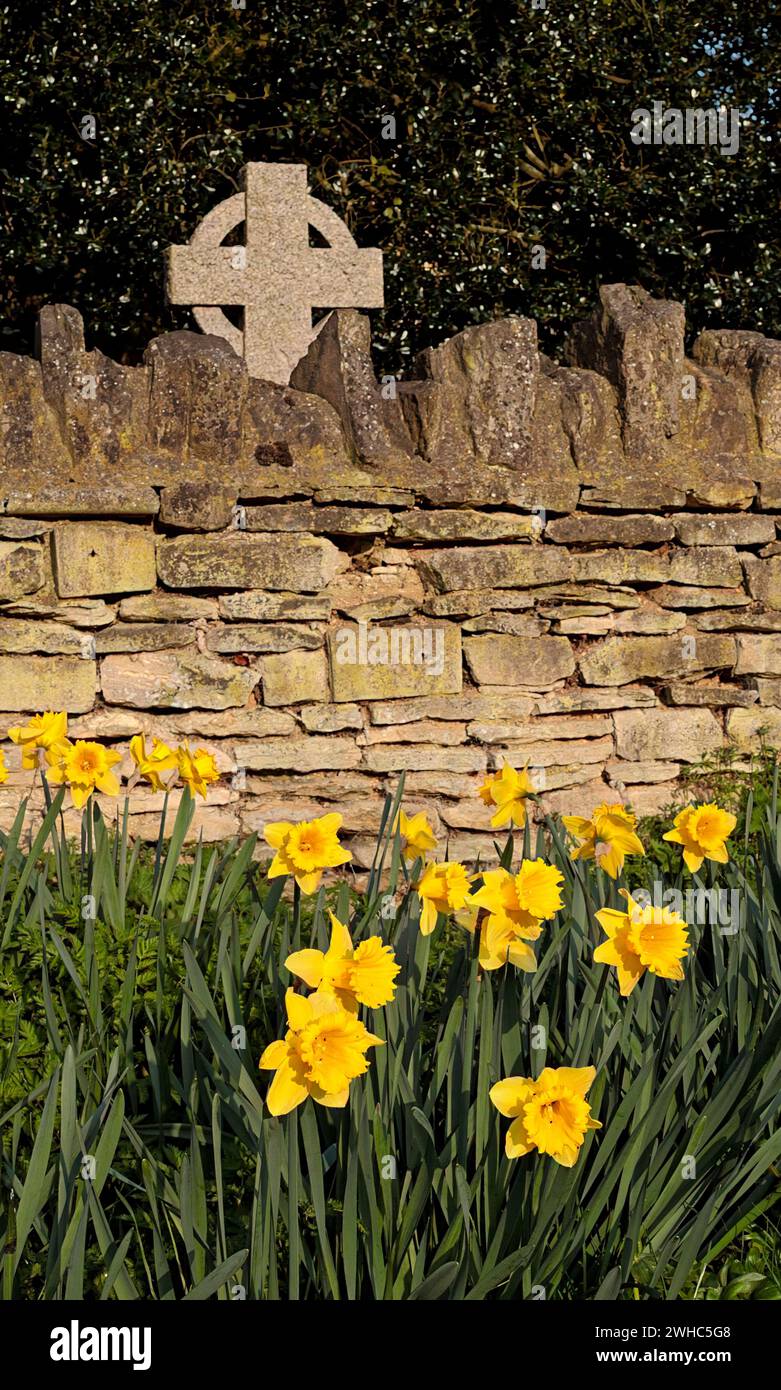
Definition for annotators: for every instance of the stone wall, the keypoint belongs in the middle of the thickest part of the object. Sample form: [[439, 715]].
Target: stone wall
[[575, 565]]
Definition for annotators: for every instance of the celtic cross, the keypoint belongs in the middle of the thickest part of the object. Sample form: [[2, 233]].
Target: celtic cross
[[276, 276]]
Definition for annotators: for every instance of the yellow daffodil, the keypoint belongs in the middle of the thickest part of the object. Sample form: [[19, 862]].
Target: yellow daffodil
[[516, 905], [196, 769], [703, 832], [306, 850], [3, 769], [323, 1050], [417, 835], [443, 888], [85, 767], [550, 1114], [642, 938], [150, 764], [607, 837], [507, 791], [43, 731], [364, 975]]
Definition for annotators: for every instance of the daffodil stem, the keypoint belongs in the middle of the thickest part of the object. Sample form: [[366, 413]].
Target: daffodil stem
[[296, 916]]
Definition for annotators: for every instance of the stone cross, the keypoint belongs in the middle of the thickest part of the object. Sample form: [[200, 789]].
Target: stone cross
[[276, 276]]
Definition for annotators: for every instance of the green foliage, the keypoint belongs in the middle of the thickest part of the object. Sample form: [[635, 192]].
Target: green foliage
[[121, 1042], [512, 130]]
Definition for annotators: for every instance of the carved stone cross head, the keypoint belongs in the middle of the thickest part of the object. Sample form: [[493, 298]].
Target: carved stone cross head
[[276, 276]]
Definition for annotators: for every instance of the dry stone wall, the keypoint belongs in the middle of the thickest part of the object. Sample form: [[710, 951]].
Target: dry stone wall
[[573, 565]]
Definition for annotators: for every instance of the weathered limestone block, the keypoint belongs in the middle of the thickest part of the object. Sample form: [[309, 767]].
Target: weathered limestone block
[[386, 663], [720, 486], [465, 524], [87, 612], [649, 620], [714, 428], [589, 412], [637, 343], [364, 494], [294, 678], [715, 565], [303, 754], [368, 594], [101, 406], [600, 626], [162, 607], [197, 391], [35, 683], [20, 528], [717, 694], [468, 705], [758, 655], [692, 596], [338, 367], [178, 680], [210, 823], [257, 606], [578, 697], [330, 785], [102, 557], [764, 580], [330, 719], [480, 395], [660, 734], [262, 637], [585, 529], [488, 423], [197, 506], [512, 624], [22, 569], [235, 561], [622, 659], [553, 726], [434, 782], [770, 492], [422, 731], [755, 363], [143, 637], [609, 595], [649, 799], [31, 445], [332, 521], [620, 566], [746, 620], [468, 603], [293, 445], [582, 801], [534, 662], [110, 497], [254, 721], [22, 635], [748, 729], [380, 610], [768, 690], [703, 528], [544, 754], [618, 772], [401, 757], [632, 487], [497, 566]]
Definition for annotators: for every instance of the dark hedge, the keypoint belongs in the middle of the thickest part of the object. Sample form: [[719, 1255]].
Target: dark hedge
[[512, 129]]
